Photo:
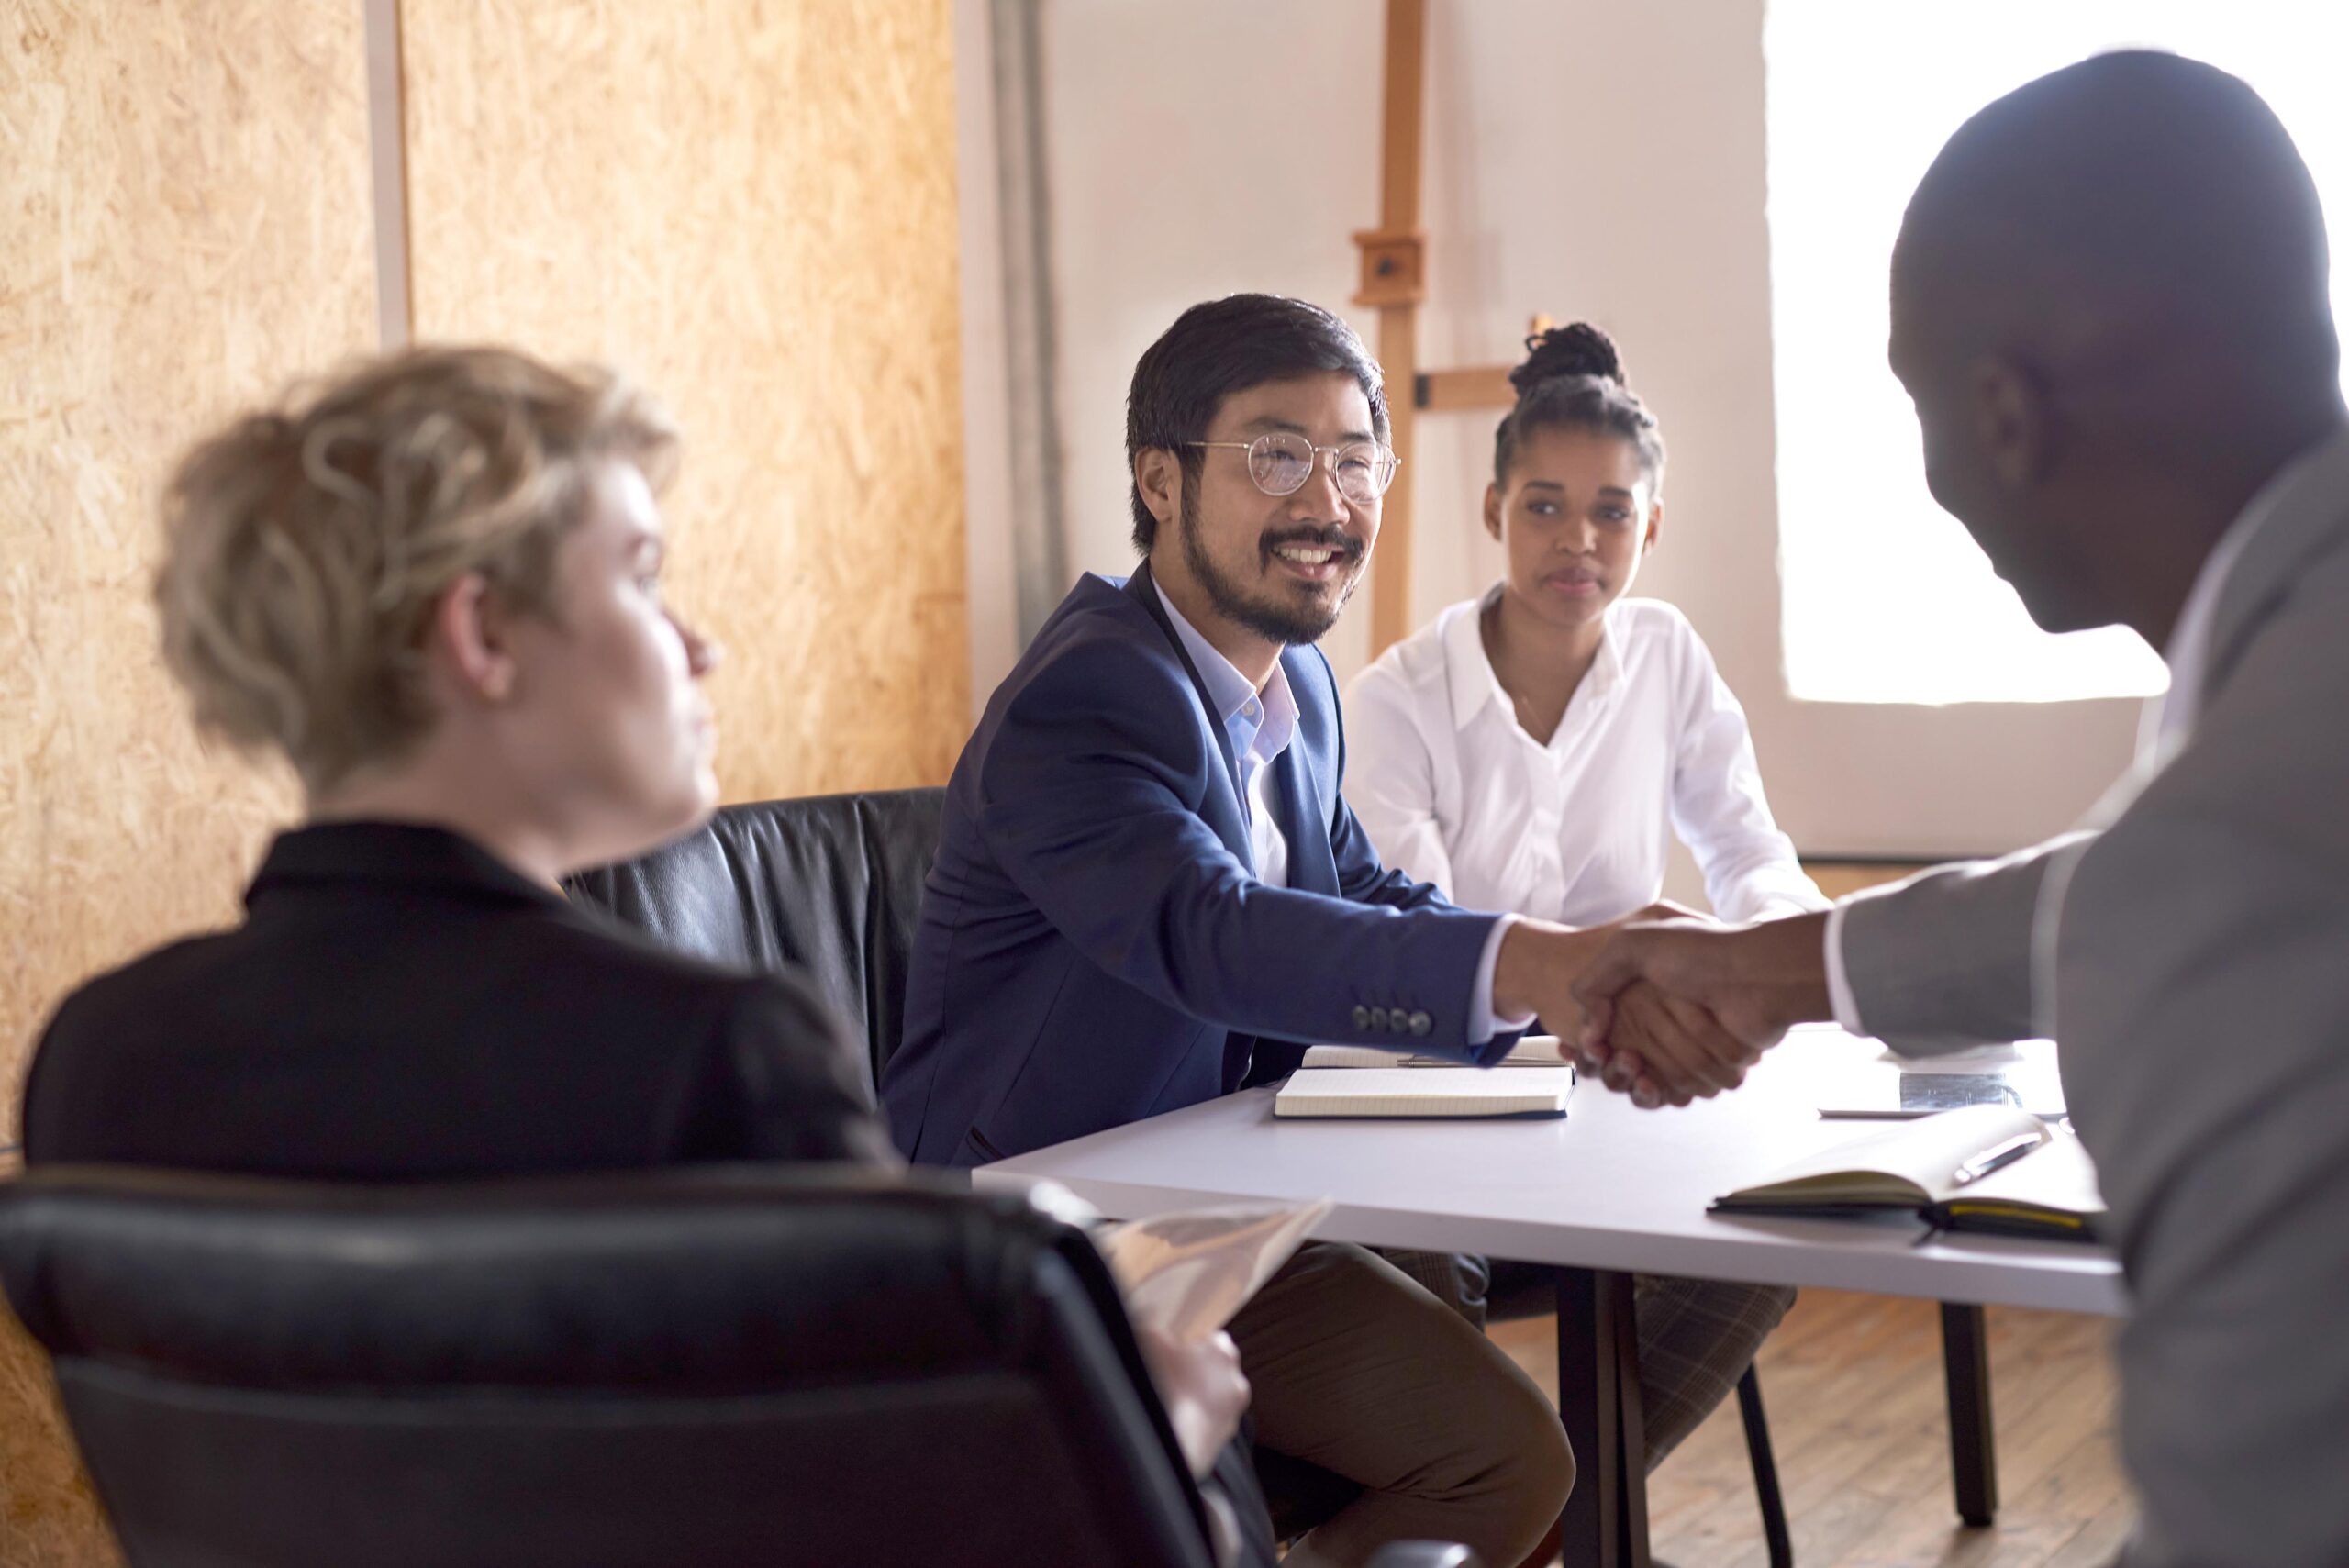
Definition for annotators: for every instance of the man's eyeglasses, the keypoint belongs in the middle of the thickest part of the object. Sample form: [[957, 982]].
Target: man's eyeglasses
[[1282, 462]]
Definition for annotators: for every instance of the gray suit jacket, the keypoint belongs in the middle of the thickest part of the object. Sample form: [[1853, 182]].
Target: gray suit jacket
[[2193, 959]]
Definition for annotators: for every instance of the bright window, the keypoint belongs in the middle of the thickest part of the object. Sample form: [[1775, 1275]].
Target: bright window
[[1886, 599]]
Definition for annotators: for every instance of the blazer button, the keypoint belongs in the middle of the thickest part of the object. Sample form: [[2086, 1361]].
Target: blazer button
[[1362, 1018], [1422, 1024], [1378, 1018]]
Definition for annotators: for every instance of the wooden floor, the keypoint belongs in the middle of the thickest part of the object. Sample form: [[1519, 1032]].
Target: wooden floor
[[1858, 1415]]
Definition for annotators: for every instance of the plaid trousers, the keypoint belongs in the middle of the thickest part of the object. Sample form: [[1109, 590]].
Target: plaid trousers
[[1697, 1336]]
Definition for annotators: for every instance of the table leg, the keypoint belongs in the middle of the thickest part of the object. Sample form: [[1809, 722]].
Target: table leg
[[1973, 1459], [1766, 1471], [1606, 1522]]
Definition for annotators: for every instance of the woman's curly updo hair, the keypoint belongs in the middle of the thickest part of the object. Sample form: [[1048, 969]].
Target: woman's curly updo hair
[[1573, 379]]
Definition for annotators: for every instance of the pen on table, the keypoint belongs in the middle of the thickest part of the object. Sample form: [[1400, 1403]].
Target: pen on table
[[1995, 1157]]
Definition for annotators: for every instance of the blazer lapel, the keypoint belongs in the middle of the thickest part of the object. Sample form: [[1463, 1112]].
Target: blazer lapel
[[1296, 797], [1143, 590]]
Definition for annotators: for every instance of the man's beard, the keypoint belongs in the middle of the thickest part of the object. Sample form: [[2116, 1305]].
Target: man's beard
[[1282, 623]]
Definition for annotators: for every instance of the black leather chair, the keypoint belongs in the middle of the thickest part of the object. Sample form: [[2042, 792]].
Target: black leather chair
[[833, 885], [745, 1366], [829, 884]]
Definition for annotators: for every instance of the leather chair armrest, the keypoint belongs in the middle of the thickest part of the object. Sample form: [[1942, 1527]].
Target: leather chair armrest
[[1424, 1554]]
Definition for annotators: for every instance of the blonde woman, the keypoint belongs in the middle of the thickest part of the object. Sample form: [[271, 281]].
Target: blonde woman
[[435, 588]]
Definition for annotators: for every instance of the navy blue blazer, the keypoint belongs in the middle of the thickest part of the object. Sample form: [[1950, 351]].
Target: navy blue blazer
[[1094, 946]]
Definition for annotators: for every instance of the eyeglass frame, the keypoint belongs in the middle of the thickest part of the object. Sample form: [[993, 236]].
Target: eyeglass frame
[[1386, 455]]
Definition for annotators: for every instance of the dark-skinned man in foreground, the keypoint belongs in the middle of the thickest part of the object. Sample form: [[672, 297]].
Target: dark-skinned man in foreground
[[2111, 305]]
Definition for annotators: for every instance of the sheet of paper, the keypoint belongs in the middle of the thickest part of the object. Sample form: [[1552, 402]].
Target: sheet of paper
[[1186, 1273], [1974, 1059]]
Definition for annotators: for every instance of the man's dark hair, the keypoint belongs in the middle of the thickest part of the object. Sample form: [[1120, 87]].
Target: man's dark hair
[[1225, 346]]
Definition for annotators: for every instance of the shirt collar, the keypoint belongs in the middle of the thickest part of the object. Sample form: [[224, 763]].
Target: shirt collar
[[1469, 670], [1279, 725], [1268, 718], [2310, 480], [1466, 668], [396, 853]]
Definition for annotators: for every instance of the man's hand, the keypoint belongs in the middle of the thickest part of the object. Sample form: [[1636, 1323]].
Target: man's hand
[[1538, 970], [1203, 1389], [1751, 982], [1662, 1049]]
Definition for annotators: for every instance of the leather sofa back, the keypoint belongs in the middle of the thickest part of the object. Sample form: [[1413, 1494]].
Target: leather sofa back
[[830, 883]]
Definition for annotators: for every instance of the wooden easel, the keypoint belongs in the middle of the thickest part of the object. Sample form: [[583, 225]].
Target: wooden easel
[[1393, 280]]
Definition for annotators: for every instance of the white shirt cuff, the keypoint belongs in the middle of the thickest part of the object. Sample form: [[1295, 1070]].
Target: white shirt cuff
[[1482, 1023], [1784, 905], [1839, 979]]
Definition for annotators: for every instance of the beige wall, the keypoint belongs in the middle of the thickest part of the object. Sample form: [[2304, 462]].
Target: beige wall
[[753, 206]]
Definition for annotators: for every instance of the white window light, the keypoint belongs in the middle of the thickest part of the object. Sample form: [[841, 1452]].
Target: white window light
[[1885, 599]]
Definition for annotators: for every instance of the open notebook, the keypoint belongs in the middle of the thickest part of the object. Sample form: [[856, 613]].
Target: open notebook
[[1355, 1081], [2034, 1182]]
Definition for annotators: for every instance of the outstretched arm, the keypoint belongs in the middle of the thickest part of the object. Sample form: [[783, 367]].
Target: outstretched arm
[[1754, 981], [1941, 961], [1091, 794]]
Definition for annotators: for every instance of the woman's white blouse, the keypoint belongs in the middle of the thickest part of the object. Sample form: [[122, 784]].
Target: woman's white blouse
[[1453, 790]]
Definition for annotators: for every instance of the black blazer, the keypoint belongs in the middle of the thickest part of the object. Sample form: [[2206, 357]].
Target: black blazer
[[401, 1005]]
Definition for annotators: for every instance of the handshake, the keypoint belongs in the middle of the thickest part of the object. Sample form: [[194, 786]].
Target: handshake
[[1663, 1005]]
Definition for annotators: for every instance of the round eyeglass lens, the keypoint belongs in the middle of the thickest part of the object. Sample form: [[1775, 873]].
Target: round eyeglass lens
[[1362, 472], [1280, 463]]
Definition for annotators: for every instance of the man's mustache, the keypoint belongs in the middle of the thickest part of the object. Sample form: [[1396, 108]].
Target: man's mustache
[[1349, 548]]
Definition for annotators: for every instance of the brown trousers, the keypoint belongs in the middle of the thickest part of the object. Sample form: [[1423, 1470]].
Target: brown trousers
[[1697, 1336], [1359, 1370]]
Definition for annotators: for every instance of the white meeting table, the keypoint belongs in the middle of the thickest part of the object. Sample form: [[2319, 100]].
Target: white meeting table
[[1607, 1192]]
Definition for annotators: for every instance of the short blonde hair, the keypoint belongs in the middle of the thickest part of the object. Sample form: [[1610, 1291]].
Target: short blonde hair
[[304, 547]]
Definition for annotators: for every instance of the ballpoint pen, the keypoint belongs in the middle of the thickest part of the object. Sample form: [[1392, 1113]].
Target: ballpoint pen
[[1995, 1157]]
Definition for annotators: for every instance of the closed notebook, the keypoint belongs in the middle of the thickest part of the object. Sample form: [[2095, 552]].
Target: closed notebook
[[1533, 1050], [1424, 1092], [2050, 1190]]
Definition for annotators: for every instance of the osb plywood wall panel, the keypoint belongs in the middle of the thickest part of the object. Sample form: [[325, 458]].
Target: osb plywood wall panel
[[184, 226], [752, 206]]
